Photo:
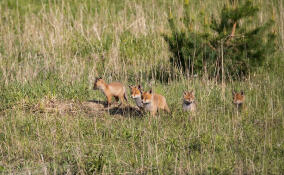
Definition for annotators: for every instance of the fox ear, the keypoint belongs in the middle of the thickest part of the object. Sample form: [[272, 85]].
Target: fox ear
[[150, 91], [233, 92], [184, 92], [130, 86], [192, 92]]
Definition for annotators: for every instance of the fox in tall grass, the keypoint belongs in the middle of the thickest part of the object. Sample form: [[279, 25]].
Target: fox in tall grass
[[153, 102], [136, 94], [114, 89], [189, 101], [238, 99]]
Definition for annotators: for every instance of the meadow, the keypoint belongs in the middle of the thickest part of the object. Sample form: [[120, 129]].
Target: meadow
[[52, 121]]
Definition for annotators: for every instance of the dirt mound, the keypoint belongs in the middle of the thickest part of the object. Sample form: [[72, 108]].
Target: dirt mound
[[92, 108]]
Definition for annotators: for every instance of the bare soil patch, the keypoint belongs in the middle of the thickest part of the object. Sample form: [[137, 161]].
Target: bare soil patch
[[90, 108]]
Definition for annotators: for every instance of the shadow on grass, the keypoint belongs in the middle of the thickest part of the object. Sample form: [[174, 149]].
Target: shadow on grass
[[98, 102], [116, 109], [127, 111]]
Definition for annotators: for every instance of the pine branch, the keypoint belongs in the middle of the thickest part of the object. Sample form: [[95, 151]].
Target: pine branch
[[234, 29], [232, 33]]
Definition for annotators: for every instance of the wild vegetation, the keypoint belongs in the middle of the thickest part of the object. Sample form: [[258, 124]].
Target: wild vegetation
[[226, 46], [53, 122]]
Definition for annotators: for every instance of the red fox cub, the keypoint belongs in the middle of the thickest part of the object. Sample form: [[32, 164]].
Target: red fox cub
[[152, 102], [136, 94], [238, 99], [115, 89], [189, 101]]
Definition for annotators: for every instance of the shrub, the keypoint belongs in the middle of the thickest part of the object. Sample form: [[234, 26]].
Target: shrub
[[228, 41]]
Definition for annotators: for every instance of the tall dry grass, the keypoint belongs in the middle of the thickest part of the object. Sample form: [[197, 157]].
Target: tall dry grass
[[50, 53]]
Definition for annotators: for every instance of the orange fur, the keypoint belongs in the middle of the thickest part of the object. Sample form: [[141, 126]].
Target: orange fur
[[153, 102], [135, 91], [238, 99], [189, 96], [110, 90], [136, 94], [189, 101]]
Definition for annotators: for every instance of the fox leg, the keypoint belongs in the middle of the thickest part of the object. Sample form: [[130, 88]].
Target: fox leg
[[109, 100], [116, 99], [121, 98], [167, 108], [153, 112], [125, 97]]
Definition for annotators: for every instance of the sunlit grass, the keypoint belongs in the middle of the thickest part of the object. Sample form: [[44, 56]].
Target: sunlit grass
[[50, 53]]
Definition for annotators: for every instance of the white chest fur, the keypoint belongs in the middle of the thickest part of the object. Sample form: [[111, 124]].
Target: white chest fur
[[189, 106], [148, 106]]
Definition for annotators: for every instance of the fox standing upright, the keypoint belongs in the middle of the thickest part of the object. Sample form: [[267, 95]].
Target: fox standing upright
[[189, 101], [114, 89], [152, 102], [238, 99]]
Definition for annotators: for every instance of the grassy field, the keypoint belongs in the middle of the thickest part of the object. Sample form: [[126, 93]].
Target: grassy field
[[50, 53]]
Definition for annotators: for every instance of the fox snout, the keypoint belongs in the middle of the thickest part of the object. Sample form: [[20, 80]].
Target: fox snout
[[238, 98], [187, 102], [237, 102], [145, 101], [135, 96]]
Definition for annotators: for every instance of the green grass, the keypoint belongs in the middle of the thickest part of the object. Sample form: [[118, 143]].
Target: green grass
[[217, 140], [53, 50]]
